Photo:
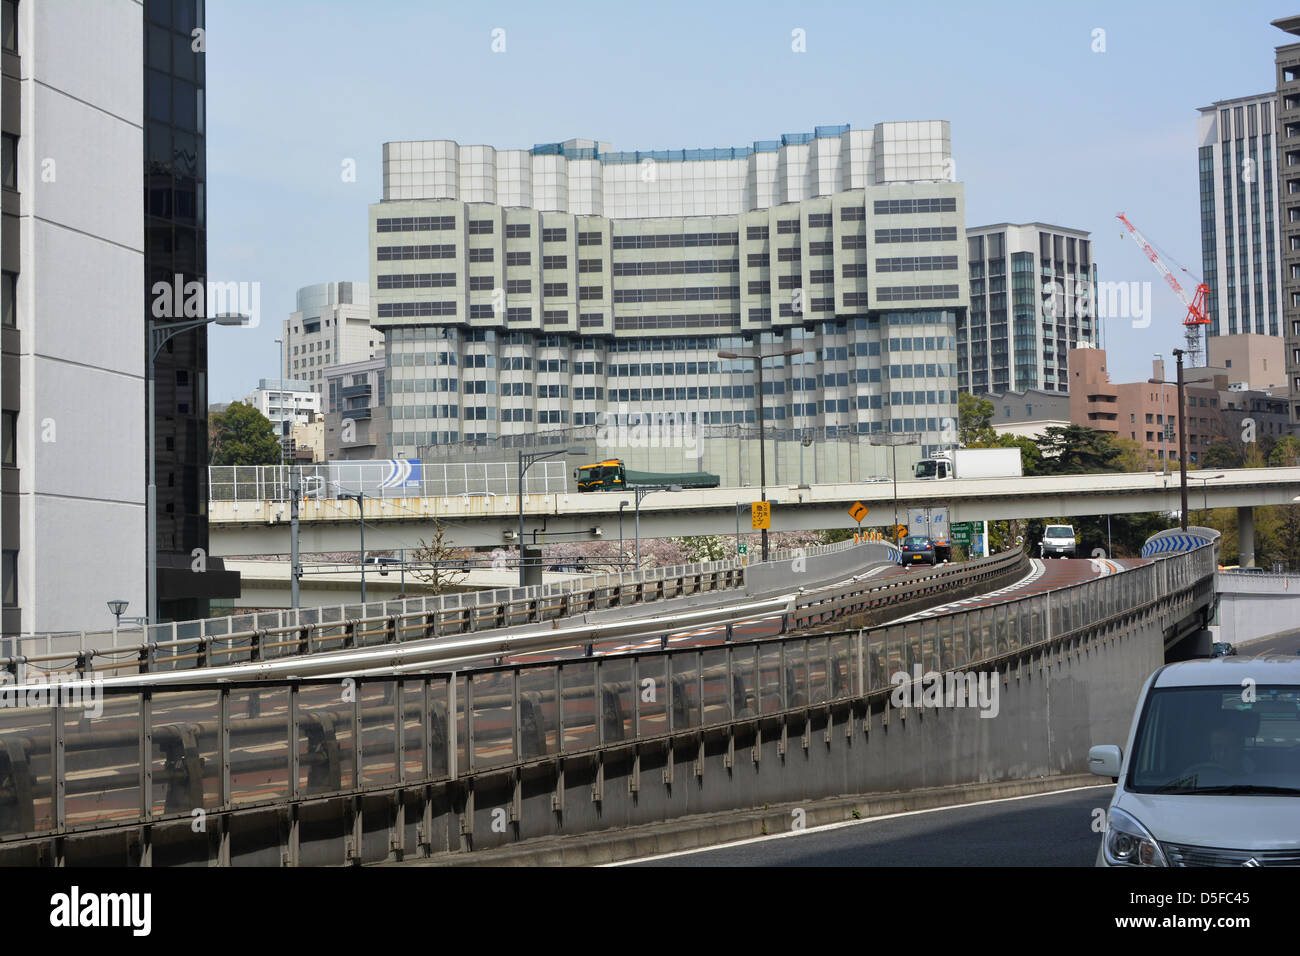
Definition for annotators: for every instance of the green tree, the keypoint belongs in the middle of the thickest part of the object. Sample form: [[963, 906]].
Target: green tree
[[1077, 450], [241, 435], [1285, 453], [1221, 453], [1132, 455], [974, 421]]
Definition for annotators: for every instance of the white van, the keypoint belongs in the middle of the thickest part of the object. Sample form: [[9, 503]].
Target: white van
[[1211, 773]]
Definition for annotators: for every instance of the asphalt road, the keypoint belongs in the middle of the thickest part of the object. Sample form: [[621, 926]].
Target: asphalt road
[[1042, 830], [1286, 644]]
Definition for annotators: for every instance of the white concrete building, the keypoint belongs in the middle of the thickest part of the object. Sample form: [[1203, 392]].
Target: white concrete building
[[567, 284], [330, 327], [281, 400], [72, 372]]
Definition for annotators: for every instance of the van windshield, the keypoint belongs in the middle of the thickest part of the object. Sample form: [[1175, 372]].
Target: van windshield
[[1058, 531], [926, 469], [1207, 740]]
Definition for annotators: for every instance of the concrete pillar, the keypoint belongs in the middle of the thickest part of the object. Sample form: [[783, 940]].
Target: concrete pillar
[[1246, 537]]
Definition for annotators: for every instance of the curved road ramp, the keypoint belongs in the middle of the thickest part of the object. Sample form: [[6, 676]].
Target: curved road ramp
[[387, 761]]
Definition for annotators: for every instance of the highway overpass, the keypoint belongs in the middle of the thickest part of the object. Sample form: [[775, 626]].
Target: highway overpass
[[491, 521]]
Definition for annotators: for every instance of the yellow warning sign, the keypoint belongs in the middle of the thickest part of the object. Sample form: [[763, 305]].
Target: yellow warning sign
[[901, 532], [761, 515], [858, 511]]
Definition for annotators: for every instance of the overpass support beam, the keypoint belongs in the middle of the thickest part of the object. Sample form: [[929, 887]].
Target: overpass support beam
[[1246, 537]]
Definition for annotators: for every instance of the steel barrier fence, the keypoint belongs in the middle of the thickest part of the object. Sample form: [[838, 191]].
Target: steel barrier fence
[[474, 610], [155, 755], [383, 480]]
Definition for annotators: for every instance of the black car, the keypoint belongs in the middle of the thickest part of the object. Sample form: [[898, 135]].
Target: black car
[[917, 549], [1223, 649]]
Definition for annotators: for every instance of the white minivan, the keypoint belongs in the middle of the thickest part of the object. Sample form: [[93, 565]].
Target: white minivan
[[1211, 773]]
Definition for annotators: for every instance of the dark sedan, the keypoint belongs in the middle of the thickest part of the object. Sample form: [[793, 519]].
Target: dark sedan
[[917, 549]]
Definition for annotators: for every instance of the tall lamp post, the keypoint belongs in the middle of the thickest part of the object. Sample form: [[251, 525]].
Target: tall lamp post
[[893, 440], [758, 356], [280, 396], [160, 333], [1182, 433], [526, 461], [1205, 493], [641, 491], [621, 506], [359, 497]]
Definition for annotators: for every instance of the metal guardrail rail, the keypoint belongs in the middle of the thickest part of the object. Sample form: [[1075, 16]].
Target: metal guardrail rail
[[516, 605], [157, 757], [254, 637], [376, 479], [386, 645]]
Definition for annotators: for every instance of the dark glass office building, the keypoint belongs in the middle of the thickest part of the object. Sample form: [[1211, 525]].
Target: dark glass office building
[[175, 238]]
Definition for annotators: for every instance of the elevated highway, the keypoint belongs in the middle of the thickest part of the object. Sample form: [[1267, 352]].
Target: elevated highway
[[491, 521], [382, 754]]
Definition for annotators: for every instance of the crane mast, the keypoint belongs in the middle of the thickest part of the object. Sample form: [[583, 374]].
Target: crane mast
[[1196, 314]]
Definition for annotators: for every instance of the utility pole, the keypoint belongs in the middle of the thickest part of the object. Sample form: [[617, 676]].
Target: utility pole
[[1182, 438], [295, 569], [758, 355]]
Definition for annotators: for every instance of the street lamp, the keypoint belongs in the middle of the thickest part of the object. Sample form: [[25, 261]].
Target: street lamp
[[1205, 492], [641, 492], [758, 357], [621, 506], [526, 461], [893, 440], [117, 609], [359, 497], [280, 396], [160, 333], [1182, 431]]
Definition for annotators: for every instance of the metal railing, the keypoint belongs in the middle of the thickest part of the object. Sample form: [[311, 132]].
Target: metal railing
[[250, 637], [384, 480], [153, 755]]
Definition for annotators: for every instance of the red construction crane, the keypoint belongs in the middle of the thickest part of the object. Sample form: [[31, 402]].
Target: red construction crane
[[1196, 304]]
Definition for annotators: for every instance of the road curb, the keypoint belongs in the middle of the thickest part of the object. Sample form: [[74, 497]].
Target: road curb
[[707, 830]]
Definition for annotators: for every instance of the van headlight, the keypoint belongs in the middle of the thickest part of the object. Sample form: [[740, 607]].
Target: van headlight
[[1127, 842]]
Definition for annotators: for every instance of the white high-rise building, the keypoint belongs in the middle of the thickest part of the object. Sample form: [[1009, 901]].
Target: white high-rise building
[[330, 327], [72, 375], [525, 289]]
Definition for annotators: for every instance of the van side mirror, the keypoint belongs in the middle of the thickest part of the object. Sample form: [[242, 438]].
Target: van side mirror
[[1105, 760]]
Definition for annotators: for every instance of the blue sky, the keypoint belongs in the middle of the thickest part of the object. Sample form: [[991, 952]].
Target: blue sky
[[1043, 127]]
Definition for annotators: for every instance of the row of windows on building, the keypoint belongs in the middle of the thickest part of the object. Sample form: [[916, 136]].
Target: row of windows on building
[[480, 227]]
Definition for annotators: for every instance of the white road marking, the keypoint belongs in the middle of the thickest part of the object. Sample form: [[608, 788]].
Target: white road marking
[[847, 823]]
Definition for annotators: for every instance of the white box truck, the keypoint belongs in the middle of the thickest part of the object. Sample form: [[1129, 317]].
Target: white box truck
[[971, 463]]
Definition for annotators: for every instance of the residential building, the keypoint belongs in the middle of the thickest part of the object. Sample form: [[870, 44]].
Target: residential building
[[330, 327], [1147, 411], [527, 289], [288, 400], [307, 440], [1032, 299], [1240, 226]]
